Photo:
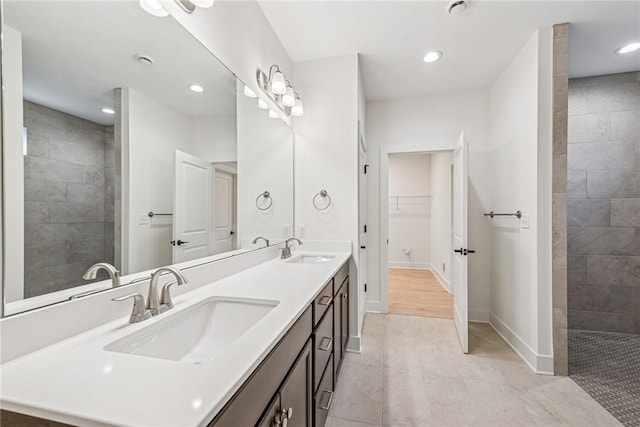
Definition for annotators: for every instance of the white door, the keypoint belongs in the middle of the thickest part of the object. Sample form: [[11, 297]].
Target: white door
[[460, 241], [224, 212], [192, 208], [363, 215]]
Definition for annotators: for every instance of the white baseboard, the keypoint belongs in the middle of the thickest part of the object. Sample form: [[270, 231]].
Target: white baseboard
[[375, 307], [410, 265], [444, 282], [354, 344], [539, 363], [479, 315]]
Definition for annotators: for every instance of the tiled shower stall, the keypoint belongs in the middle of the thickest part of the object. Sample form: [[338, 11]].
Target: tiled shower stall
[[69, 198]]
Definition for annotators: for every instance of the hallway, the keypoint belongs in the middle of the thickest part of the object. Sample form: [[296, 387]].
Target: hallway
[[411, 372]]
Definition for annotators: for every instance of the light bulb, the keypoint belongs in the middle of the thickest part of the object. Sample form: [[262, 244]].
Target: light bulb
[[297, 110], [202, 3], [262, 104], [153, 7], [278, 84], [248, 92], [432, 56], [289, 98], [631, 47], [273, 114]]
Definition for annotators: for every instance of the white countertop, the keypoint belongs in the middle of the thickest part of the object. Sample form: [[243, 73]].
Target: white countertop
[[78, 382]]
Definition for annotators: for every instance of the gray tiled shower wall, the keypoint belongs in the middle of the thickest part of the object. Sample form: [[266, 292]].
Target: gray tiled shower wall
[[603, 203], [69, 208]]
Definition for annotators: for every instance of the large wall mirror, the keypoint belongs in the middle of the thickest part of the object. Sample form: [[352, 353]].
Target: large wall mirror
[[126, 141]]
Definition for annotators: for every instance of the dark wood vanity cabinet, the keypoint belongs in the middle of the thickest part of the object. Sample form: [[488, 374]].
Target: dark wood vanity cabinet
[[294, 386]]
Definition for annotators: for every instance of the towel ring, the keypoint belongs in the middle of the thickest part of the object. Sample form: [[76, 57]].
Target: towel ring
[[265, 195], [325, 196]]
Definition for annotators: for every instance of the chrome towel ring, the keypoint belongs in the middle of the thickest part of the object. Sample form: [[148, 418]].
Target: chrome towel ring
[[267, 196], [324, 198]]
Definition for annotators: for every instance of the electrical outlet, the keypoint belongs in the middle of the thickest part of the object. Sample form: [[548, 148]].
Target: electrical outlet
[[302, 231], [524, 221], [286, 230], [144, 219]]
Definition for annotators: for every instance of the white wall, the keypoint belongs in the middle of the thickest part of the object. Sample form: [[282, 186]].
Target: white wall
[[515, 178], [239, 35], [432, 123], [326, 158], [441, 250], [13, 166], [265, 163], [410, 217], [215, 138]]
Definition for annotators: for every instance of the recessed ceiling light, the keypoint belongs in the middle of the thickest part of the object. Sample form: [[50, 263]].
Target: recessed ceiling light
[[107, 110], [432, 56], [153, 7], [196, 88], [456, 7], [628, 48], [145, 60]]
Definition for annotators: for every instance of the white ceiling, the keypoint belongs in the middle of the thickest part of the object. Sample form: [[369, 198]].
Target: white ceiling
[[393, 37], [76, 52]]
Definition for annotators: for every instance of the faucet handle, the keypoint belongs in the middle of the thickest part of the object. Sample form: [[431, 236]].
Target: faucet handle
[[165, 298], [139, 313]]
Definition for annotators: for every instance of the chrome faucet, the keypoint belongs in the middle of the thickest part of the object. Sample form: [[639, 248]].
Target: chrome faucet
[[260, 237], [153, 304], [114, 274], [286, 251], [139, 313]]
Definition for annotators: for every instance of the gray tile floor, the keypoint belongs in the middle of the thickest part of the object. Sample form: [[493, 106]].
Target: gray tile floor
[[607, 366], [411, 372]]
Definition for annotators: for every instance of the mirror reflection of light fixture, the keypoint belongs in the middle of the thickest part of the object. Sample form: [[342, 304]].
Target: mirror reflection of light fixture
[[248, 92], [262, 105], [153, 7], [273, 114], [280, 91]]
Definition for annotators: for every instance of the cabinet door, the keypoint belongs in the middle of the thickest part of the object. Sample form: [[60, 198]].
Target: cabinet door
[[271, 417], [297, 392], [344, 317]]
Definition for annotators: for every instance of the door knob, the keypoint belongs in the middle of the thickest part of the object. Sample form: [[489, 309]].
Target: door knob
[[232, 232], [458, 251], [469, 251], [180, 242]]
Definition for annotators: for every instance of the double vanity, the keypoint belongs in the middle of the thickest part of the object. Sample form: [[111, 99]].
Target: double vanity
[[262, 346]]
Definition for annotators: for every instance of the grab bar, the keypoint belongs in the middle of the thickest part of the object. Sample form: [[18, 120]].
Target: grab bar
[[516, 214]]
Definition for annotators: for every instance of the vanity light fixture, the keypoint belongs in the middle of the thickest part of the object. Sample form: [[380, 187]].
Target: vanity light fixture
[[628, 48], [280, 91], [153, 7], [190, 5], [196, 88], [289, 97], [297, 110], [108, 110], [248, 92], [432, 56]]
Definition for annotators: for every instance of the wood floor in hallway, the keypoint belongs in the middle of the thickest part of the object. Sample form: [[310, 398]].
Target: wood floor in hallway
[[418, 293]]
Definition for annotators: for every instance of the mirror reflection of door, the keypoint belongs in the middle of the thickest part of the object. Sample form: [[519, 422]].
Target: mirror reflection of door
[[192, 208], [224, 210]]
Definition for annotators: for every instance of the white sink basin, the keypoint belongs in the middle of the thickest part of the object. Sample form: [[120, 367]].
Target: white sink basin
[[311, 259], [197, 334]]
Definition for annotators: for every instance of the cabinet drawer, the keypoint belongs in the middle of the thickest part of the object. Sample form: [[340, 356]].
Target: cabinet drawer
[[324, 397], [248, 404], [340, 277], [322, 345], [322, 302]]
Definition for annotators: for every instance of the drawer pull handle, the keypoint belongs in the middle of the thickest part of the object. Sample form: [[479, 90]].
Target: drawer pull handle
[[325, 300], [328, 345], [329, 400]]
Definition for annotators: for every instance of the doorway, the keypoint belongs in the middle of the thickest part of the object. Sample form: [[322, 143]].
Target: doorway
[[420, 235]]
